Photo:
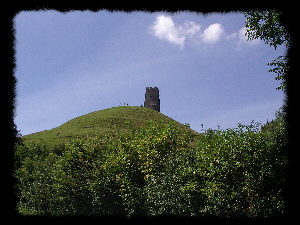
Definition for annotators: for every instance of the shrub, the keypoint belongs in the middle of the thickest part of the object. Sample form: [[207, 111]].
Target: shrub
[[241, 168], [157, 170]]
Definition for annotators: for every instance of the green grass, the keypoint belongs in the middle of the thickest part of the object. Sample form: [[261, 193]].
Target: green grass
[[117, 119]]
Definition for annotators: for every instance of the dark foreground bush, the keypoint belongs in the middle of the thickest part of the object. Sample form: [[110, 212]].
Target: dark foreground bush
[[157, 170]]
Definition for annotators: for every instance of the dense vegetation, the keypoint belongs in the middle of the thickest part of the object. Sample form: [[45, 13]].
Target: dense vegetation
[[114, 162], [158, 169]]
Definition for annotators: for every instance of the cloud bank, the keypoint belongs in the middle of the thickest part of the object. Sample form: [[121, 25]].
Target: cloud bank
[[165, 29]]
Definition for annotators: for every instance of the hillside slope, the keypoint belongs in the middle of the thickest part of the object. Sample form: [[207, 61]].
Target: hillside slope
[[117, 119]]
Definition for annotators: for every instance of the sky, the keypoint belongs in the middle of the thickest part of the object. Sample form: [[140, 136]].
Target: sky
[[208, 74]]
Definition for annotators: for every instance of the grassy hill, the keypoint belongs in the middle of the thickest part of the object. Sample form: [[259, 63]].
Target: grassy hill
[[117, 119], [155, 172]]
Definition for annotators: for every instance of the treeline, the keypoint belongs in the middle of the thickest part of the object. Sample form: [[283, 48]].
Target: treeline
[[158, 170]]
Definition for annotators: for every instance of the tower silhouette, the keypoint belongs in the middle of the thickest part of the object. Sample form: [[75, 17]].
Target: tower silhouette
[[152, 100]]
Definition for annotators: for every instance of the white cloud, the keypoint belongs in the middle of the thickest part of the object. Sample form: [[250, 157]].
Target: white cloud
[[242, 35], [241, 38], [165, 29], [213, 33], [189, 28], [244, 38]]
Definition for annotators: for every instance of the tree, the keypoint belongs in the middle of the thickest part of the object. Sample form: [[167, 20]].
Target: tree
[[267, 26]]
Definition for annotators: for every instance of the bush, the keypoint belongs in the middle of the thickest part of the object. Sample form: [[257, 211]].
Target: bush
[[157, 170], [242, 167]]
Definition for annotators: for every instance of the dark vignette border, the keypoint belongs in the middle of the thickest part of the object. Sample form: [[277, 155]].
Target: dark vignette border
[[9, 82]]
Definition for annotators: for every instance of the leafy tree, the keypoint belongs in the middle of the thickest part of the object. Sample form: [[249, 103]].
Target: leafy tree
[[266, 25]]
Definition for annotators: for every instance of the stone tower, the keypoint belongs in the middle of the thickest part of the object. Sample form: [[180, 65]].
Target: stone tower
[[152, 100]]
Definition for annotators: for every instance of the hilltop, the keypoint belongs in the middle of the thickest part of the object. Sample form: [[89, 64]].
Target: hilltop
[[159, 169], [116, 119]]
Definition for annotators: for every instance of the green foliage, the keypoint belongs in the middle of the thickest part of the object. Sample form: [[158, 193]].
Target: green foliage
[[156, 170], [267, 26], [280, 68], [240, 169]]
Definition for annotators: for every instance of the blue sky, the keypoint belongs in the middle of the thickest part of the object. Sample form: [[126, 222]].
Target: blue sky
[[71, 64]]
